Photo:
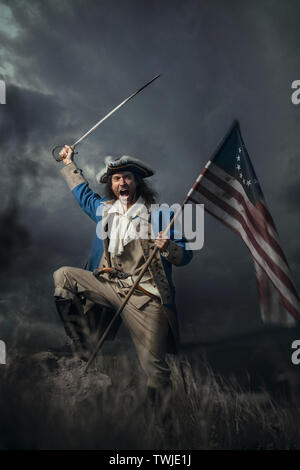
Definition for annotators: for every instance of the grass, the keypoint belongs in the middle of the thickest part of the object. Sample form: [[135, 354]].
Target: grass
[[47, 403]]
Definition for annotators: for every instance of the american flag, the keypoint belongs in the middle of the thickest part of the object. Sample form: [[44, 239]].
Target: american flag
[[229, 189]]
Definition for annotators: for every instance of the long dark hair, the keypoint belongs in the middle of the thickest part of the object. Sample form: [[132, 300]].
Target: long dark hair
[[142, 188]]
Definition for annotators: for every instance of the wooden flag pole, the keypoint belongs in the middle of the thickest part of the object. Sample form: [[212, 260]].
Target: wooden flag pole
[[145, 267]]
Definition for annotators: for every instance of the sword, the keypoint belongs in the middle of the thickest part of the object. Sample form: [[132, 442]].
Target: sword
[[58, 158]]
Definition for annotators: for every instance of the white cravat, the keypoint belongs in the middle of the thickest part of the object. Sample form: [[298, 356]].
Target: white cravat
[[123, 229]]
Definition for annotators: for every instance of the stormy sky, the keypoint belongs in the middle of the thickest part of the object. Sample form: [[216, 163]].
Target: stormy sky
[[67, 63]]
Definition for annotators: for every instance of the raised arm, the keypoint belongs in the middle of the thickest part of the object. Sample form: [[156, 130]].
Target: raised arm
[[88, 200]]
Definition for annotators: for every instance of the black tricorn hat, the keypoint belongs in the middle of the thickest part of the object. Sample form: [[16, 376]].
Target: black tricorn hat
[[124, 163]]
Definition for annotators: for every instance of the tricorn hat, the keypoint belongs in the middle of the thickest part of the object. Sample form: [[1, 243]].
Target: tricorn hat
[[124, 163]]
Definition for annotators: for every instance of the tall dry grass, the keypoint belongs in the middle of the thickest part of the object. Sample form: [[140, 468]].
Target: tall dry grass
[[47, 403]]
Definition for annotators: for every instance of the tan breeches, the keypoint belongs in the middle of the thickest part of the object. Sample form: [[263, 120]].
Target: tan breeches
[[144, 317]]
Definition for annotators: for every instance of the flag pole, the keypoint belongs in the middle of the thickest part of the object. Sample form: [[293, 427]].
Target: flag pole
[[130, 292]]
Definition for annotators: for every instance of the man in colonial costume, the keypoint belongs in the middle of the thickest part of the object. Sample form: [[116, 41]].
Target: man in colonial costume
[[116, 260]]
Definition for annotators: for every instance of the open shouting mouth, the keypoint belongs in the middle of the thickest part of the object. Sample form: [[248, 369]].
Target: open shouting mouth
[[124, 192]]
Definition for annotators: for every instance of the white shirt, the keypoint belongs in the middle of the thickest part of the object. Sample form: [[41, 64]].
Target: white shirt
[[123, 229]]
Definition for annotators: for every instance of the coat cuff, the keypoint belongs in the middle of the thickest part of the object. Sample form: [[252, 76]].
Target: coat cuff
[[174, 253], [73, 175]]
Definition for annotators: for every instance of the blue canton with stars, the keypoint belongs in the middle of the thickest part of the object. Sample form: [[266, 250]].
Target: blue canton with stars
[[232, 157]]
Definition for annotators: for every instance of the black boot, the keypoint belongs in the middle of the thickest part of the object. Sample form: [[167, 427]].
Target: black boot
[[76, 326]]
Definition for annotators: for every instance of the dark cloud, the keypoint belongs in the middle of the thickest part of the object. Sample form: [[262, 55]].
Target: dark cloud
[[68, 63], [292, 194]]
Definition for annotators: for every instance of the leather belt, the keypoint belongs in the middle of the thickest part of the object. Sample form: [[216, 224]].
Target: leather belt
[[153, 296], [114, 273]]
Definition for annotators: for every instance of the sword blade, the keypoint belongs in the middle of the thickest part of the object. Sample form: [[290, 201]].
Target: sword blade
[[112, 112]]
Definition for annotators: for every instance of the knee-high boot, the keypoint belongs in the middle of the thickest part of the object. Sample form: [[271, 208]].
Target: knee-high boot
[[76, 326]]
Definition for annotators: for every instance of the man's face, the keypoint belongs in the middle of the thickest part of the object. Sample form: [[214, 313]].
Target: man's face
[[123, 186]]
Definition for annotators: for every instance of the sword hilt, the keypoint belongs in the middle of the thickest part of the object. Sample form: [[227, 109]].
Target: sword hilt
[[56, 150]]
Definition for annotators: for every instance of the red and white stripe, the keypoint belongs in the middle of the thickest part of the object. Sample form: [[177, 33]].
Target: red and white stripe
[[225, 198]]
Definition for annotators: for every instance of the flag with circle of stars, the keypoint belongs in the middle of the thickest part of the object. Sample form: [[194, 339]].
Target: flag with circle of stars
[[229, 189], [233, 158]]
